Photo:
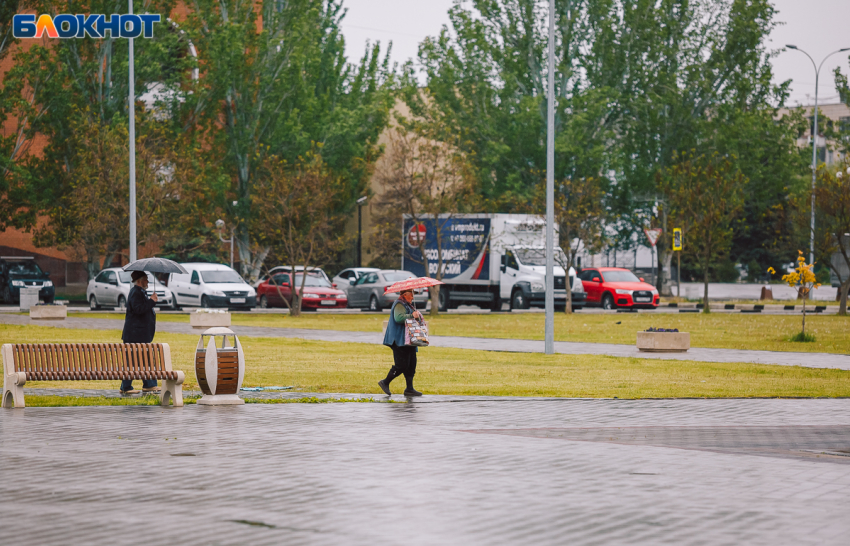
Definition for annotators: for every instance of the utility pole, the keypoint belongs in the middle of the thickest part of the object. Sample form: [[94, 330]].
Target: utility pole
[[360, 203], [131, 99], [549, 344]]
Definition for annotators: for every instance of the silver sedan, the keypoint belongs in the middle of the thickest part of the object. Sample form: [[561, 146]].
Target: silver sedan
[[367, 292]]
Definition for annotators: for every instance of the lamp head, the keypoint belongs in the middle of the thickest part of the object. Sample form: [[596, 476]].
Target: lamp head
[[844, 49], [362, 200], [219, 223], [789, 46]]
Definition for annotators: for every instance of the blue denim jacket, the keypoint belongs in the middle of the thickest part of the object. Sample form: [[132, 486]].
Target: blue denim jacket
[[395, 331]]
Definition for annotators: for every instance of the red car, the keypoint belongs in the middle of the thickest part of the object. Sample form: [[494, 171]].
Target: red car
[[612, 287], [318, 292]]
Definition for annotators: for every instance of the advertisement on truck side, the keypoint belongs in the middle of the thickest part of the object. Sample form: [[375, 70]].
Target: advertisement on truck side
[[465, 247]]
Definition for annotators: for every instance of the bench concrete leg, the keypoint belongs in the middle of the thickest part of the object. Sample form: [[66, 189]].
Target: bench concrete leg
[[172, 390], [13, 391]]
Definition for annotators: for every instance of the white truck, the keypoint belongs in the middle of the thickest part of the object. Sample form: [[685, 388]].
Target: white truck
[[487, 259]]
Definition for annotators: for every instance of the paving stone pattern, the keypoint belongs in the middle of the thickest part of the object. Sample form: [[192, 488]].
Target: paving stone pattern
[[415, 474], [808, 360]]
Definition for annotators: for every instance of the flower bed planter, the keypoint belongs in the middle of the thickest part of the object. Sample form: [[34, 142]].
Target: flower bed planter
[[663, 342], [48, 312], [204, 320]]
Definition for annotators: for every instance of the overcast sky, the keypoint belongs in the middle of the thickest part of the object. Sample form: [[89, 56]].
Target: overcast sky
[[817, 26]]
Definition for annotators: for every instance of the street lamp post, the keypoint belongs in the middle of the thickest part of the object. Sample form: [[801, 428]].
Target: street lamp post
[[220, 225], [360, 203], [815, 141], [549, 344]]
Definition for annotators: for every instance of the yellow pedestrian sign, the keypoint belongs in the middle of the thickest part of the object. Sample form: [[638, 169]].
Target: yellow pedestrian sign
[[677, 239]]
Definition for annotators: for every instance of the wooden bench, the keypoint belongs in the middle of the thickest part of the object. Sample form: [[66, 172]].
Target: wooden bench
[[24, 362]]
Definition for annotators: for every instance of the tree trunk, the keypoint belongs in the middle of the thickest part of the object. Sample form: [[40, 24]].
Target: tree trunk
[[842, 291], [434, 292], [705, 306], [804, 314], [568, 308]]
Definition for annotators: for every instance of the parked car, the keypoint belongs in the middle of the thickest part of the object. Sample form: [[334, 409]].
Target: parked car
[[344, 278], [211, 285], [288, 269], [111, 287], [368, 291], [17, 272], [318, 292], [612, 287]]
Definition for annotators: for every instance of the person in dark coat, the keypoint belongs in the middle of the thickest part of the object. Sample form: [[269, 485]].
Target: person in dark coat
[[404, 356], [139, 325]]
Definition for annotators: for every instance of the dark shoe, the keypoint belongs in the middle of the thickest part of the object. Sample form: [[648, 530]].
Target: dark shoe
[[131, 391], [412, 392], [384, 387]]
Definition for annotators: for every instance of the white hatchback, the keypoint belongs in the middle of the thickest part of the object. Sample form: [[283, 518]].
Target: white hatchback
[[111, 286], [211, 285]]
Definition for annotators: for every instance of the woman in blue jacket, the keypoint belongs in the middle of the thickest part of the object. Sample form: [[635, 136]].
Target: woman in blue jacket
[[404, 356]]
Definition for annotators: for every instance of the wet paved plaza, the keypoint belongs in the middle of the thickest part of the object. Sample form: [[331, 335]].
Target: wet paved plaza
[[452, 471]]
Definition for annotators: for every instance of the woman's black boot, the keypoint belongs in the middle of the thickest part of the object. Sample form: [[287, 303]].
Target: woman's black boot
[[385, 383], [410, 391]]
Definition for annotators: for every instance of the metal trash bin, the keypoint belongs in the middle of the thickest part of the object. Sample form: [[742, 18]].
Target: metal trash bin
[[29, 297]]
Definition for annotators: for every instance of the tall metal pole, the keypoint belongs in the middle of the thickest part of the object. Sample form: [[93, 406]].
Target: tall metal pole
[[815, 141], [359, 235], [814, 170], [550, 194], [132, 104]]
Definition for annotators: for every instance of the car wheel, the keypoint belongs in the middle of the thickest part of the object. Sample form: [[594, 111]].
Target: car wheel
[[374, 305], [518, 300], [264, 302], [205, 302], [122, 302], [174, 306], [443, 299], [496, 304], [607, 301], [93, 303]]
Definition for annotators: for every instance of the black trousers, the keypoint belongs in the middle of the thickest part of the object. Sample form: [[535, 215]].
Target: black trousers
[[404, 363]]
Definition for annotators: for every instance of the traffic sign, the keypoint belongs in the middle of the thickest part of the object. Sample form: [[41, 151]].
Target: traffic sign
[[677, 239], [653, 235]]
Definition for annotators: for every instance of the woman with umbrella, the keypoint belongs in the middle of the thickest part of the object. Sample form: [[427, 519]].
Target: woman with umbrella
[[140, 320], [404, 356]]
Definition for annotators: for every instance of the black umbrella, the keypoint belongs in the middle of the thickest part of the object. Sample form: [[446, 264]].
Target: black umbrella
[[155, 265]]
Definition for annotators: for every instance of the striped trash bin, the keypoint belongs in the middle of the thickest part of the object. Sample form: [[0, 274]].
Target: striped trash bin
[[219, 367]]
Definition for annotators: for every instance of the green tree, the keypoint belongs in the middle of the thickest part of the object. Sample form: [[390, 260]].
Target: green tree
[[637, 80], [705, 195], [276, 81], [832, 225], [297, 203]]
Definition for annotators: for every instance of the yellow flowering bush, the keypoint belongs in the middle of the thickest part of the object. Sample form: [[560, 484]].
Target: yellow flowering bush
[[803, 280]]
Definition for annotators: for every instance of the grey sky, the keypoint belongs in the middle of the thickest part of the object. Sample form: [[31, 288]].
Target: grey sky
[[817, 26]]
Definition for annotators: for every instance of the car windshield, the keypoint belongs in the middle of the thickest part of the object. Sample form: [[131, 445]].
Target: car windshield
[[313, 279], [224, 276], [537, 256], [25, 267], [619, 276], [395, 276], [126, 277]]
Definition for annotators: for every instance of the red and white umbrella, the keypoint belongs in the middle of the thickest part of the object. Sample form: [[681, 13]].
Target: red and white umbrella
[[412, 284]]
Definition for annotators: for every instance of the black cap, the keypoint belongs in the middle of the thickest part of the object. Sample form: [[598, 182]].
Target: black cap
[[137, 275]]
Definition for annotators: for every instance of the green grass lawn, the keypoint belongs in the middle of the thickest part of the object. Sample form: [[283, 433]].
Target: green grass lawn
[[312, 366], [715, 330]]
